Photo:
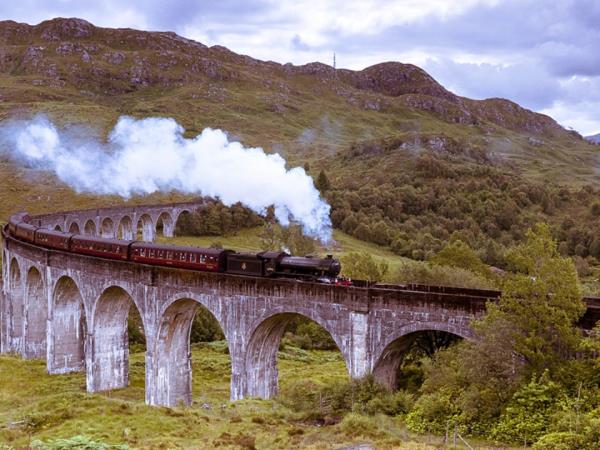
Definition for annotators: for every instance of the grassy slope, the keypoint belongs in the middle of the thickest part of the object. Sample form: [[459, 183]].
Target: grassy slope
[[34, 405], [43, 406]]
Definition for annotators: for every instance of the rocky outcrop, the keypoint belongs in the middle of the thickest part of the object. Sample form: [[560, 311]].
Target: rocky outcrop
[[396, 79]]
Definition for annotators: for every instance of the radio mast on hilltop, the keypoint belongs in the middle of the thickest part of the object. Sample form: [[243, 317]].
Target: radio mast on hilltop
[[334, 60]]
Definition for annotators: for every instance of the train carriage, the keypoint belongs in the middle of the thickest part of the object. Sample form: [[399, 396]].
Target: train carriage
[[97, 246], [53, 239], [15, 220], [25, 231], [208, 259]]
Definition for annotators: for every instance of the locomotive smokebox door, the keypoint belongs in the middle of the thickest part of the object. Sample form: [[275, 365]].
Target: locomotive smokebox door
[[245, 264]]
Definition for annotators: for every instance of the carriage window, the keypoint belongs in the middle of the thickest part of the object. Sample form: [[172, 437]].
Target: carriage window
[[202, 258]]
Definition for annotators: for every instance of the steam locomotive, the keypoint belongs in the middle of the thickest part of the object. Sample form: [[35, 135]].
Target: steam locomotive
[[263, 264]]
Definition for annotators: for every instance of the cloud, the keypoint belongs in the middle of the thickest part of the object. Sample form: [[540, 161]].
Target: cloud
[[531, 84], [298, 44]]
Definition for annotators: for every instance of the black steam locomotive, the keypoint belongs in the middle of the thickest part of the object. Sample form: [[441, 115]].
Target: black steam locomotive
[[263, 264]]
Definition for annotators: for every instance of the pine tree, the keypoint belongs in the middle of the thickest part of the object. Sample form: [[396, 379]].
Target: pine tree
[[322, 183]]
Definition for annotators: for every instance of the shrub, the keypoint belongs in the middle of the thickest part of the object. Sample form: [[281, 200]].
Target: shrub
[[301, 396], [79, 442], [354, 424], [558, 441], [425, 273], [308, 335], [392, 404], [432, 413], [527, 416], [458, 254], [363, 266], [364, 396]]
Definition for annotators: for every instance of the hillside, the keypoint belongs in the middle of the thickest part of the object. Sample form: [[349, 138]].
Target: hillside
[[432, 163]]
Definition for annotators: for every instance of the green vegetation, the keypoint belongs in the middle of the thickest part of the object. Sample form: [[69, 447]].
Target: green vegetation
[[216, 220], [435, 198], [531, 371], [362, 266]]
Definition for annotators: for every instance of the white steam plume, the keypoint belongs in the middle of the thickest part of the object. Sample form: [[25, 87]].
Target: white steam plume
[[149, 155]]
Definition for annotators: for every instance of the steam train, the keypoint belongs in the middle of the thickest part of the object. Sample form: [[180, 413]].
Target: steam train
[[263, 264]]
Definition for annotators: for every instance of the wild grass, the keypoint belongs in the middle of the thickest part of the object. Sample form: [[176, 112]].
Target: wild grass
[[54, 411]]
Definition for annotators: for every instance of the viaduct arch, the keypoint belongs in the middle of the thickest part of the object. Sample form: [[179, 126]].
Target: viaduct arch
[[72, 309]]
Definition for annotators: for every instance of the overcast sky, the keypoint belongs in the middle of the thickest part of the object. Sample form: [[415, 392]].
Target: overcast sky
[[543, 54]]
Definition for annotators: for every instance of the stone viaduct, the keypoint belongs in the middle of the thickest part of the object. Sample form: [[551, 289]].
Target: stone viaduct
[[72, 310], [123, 222]]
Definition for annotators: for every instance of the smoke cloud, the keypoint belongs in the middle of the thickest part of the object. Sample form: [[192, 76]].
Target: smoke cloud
[[149, 155]]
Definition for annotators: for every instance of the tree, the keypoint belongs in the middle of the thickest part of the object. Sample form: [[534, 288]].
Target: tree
[[362, 231], [542, 300], [363, 266], [293, 239], [205, 327], [459, 254], [527, 415], [349, 224], [268, 236], [530, 331], [380, 233], [322, 183]]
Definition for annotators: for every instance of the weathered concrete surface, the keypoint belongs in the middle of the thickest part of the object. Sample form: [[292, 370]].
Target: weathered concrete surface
[[86, 302]]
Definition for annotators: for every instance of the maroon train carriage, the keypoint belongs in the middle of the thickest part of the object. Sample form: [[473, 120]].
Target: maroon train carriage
[[25, 231], [97, 246], [16, 219], [208, 259], [53, 239]]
